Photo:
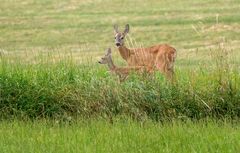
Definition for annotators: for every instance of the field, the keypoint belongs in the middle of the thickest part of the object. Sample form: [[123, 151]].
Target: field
[[124, 136], [57, 98]]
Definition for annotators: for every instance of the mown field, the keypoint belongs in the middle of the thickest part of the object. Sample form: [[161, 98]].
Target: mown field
[[48, 54]]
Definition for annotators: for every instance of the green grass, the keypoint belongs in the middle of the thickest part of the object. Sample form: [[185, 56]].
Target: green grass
[[49, 51], [55, 98], [121, 136], [54, 90], [70, 24]]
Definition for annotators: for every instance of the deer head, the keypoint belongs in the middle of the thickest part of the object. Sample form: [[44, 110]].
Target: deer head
[[119, 36], [106, 58]]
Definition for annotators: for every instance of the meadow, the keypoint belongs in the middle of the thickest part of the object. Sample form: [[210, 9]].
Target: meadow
[[124, 136], [51, 83]]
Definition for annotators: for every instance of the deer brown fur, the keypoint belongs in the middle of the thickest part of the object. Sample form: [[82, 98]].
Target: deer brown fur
[[160, 57], [121, 72]]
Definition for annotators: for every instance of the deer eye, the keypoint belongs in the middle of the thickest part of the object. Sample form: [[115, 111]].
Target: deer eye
[[121, 37]]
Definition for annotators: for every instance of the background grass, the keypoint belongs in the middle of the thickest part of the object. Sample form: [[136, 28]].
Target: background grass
[[86, 26]]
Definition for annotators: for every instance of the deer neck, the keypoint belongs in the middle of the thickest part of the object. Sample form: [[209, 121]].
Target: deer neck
[[111, 65], [124, 52]]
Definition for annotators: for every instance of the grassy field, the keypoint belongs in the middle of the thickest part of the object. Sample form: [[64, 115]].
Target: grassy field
[[48, 54], [85, 26], [122, 136]]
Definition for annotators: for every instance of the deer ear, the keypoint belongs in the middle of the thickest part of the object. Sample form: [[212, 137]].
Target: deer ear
[[115, 27], [126, 29]]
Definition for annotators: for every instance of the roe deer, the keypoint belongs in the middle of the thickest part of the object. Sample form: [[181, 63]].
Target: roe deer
[[122, 72], [160, 57]]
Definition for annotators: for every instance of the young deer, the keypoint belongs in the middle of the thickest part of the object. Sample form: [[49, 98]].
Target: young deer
[[122, 72], [160, 57]]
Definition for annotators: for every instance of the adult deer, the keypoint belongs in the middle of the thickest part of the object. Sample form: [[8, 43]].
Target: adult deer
[[160, 57], [121, 72]]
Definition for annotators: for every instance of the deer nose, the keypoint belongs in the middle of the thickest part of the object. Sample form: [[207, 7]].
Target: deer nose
[[117, 44]]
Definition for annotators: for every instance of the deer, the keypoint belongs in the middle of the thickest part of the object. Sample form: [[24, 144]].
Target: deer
[[121, 72], [159, 57]]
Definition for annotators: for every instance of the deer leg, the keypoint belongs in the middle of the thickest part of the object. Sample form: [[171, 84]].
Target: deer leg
[[160, 68], [168, 73], [165, 67]]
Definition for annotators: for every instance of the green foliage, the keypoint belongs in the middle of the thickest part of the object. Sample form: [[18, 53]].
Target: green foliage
[[41, 41], [55, 90]]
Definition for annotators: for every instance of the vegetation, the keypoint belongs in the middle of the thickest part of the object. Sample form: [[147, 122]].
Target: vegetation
[[122, 136], [56, 74], [66, 88], [54, 97]]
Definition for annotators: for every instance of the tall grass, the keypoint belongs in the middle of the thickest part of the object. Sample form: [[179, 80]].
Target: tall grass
[[67, 88]]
